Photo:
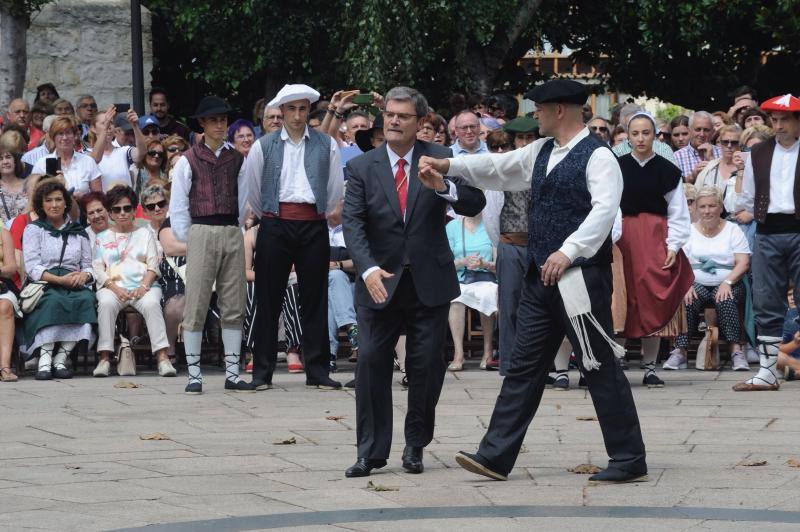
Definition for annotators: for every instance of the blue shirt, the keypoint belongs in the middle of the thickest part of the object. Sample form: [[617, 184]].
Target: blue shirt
[[477, 243], [790, 326], [458, 151]]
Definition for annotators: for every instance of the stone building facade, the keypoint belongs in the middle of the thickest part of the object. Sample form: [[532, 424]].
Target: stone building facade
[[84, 47]]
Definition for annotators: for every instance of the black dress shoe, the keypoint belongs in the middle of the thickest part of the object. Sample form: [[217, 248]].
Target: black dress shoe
[[43, 375], [618, 476], [412, 460], [193, 388], [239, 386], [475, 464], [350, 385], [62, 373], [261, 385], [323, 383], [363, 466]]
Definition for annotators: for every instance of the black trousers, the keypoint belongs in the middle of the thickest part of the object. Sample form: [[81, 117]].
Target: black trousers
[[280, 244], [541, 325], [378, 332]]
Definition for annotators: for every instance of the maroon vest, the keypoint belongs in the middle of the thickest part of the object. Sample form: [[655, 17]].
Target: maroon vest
[[215, 181], [762, 166]]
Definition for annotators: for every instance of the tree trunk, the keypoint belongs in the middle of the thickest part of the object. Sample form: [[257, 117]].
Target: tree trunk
[[13, 56]]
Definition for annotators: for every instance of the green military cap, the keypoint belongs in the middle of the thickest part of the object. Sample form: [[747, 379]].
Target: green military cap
[[521, 124]]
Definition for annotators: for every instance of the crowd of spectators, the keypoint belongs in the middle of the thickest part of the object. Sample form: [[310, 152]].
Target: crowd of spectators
[[87, 251]]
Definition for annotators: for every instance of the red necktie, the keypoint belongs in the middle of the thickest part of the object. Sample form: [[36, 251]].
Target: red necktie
[[401, 185]]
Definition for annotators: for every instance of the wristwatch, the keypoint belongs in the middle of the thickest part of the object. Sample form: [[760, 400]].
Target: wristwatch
[[728, 282]]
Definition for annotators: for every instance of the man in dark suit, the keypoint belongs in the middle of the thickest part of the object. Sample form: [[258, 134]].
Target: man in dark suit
[[394, 226]]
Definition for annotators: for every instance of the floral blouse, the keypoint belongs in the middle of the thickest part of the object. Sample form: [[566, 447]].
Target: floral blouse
[[124, 258]]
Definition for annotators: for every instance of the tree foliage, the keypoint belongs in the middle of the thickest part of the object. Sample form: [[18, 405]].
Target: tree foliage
[[690, 52], [23, 9]]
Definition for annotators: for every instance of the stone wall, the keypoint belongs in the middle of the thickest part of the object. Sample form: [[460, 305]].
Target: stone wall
[[84, 47]]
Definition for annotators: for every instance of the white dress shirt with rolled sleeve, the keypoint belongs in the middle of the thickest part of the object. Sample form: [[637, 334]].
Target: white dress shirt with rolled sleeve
[[781, 181]]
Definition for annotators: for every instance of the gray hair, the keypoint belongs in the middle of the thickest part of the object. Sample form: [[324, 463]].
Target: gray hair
[[84, 97], [407, 94], [699, 114], [709, 191], [627, 111], [153, 190]]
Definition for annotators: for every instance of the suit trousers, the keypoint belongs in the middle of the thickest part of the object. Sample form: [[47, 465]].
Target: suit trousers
[[378, 331], [511, 266], [542, 323], [279, 245], [776, 261]]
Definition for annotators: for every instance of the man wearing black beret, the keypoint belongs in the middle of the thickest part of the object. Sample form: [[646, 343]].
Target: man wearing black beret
[[576, 185]]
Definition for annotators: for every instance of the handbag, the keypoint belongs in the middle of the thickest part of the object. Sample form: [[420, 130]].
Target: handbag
[[181, 271], [33, 291], [708, 350], [473, 276]]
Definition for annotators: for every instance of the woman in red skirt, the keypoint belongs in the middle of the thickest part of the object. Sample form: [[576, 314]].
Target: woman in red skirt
[[655, 225]]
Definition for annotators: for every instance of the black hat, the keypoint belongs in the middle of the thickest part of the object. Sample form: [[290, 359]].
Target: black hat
[[559, 91], [364, 136], [210, 106]]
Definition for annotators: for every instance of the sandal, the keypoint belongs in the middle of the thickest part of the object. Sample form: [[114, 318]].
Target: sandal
[[6, 375]]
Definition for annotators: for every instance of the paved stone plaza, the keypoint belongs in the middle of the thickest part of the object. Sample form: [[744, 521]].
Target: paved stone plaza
[[72, 457]]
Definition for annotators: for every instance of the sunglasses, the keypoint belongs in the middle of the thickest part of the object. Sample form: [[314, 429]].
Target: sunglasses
[[122, 208], [152, 206], [173, 149], [604, 129], [729, 143], [154, 153]]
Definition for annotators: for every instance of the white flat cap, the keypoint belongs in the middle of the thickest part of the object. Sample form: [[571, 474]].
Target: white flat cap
[[290, 93]]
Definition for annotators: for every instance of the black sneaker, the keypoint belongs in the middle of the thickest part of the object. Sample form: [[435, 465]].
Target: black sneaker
[[194, 388], [324, 383], [651, 380], [62, 373], [548, 383], [561, 382], [240, 386], [582, 383], [350, 385], [43, 375]]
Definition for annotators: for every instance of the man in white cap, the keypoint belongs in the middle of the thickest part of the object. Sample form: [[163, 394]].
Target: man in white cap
[[294, 178]]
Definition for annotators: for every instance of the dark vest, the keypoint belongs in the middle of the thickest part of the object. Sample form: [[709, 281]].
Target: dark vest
[[560, 202], [762, 166], [215, 181]]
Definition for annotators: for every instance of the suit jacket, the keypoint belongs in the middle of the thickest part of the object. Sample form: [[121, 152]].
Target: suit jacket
[[376, 234]]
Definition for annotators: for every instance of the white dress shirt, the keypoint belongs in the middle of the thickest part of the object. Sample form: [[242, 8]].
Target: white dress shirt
[[180, 219], [781, 181], [512, 171], [294, 186]]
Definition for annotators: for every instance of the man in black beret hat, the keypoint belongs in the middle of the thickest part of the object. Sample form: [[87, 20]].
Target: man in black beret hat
[[204, 212], [576, 185]]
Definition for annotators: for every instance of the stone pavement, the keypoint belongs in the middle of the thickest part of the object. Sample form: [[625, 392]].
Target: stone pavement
[[72, 458]]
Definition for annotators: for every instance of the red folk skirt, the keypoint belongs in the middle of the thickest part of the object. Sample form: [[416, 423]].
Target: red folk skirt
[[654, 297]]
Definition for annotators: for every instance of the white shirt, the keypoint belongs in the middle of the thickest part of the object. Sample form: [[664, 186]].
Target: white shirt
[[180, 219], [512, 171], [294, 185], [721, 249], [81, 170], [491, 214], [32, 156], [781, 181], [114, 167], [336, 237]]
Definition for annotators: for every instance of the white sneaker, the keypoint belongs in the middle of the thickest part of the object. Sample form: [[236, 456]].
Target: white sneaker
[[739, 362], [126, 365], [676, 360], [166, 369], [103, 369], [752, 355]]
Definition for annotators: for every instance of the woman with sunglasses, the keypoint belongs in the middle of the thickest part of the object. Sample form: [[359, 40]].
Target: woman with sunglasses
[[114, 161], [175, 146], [718, 173], [152, 167], [126, 263]]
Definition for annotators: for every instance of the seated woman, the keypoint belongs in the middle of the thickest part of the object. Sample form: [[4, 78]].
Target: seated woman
[[57, 251], [475, 264], [13, 195], [126, 265], [720, 257], [173, 277], [152, 167], [94, 205], [9, 307]]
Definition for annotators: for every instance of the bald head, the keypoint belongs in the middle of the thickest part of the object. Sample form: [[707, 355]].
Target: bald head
[[19, 112]]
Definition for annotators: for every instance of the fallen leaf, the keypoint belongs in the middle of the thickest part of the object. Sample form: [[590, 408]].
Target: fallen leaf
[[558, 408], [126, 384], [72, 467], [285, 441], [584, 469], [334, 418], [523, 449], [586, 418], [752, 463], [791, 462], [154, 436], [379, 487]]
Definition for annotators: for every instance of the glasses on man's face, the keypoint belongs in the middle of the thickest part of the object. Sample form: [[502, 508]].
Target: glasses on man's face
[[152, 206], [155, 153], [729, 143], [118, 209], [88, 106], [403, 117], [469, 127], [602, 129]]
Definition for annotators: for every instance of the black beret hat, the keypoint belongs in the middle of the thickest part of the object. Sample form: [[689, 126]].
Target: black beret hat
[[559, 91]]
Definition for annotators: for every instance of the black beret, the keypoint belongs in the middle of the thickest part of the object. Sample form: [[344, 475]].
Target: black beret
[[559, 91]]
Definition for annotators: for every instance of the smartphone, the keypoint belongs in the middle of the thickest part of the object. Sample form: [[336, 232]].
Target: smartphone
[[363, 99], [52, 165], [122, 107]]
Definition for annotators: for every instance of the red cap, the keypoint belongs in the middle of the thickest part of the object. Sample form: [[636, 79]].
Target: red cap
[[786, 103]]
